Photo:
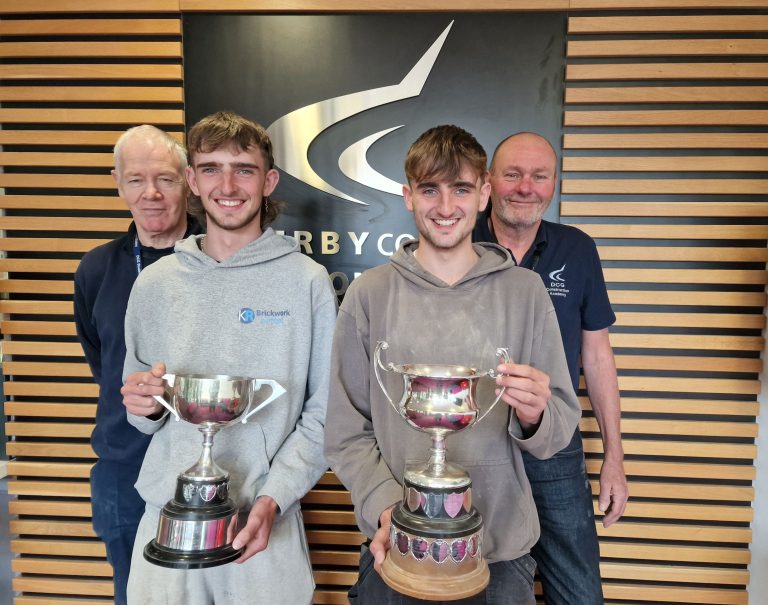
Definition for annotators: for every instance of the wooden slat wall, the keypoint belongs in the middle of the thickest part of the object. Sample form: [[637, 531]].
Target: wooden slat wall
[[664, 164], [71, 85]]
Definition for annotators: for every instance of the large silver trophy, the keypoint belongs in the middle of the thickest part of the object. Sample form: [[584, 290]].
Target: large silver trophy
[[197, 526], [436, 534]]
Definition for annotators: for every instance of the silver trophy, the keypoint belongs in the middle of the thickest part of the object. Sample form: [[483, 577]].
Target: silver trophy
[[436, 534], [197, 526]]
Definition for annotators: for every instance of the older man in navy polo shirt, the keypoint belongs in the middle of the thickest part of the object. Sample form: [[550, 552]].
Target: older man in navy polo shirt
[[523, 178], [149, 173]]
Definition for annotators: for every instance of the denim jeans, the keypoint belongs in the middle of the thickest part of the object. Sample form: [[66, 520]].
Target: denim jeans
[[511, 584], [568, 553], [117, 509]]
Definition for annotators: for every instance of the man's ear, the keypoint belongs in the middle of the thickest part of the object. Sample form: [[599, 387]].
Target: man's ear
[[485, 193], [270, 181], [407, 193], [189, 172], [113, 172]]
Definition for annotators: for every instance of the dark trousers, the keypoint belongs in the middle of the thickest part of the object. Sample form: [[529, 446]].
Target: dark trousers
[[511, 584], [568, 553], [119, 550], [117, 509]]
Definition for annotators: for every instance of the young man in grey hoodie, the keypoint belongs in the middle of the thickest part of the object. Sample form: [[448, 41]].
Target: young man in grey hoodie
[[442, 299], [243, 301]]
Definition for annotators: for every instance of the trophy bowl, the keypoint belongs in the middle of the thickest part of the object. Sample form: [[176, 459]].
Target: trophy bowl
[[436, 533], [218, 399], [197, 526], [439, 398]]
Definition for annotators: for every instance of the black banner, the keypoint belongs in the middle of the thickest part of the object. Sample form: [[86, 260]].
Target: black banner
[[329, 88]]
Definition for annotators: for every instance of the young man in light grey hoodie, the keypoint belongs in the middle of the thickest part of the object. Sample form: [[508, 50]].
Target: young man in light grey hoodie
[[443, 300], [242, 301]]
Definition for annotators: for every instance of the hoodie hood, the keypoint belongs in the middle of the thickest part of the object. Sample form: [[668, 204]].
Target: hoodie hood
[[493, 258], [268, 246]]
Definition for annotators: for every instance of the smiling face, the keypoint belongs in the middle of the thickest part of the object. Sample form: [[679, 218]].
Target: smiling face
[[447, 187], [445, 209], [232, 184], [523, 177], [149, 178]]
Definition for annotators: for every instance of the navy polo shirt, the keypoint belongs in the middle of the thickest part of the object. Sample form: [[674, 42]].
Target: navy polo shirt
[[567, 261], [103, 282]]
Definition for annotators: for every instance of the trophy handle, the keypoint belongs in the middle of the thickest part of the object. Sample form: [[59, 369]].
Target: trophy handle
[[169, 378], [383, 345], [256, 384], [503, 355]]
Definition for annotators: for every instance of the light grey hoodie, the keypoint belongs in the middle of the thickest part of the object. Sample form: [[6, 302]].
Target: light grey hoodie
[[192, 313], [425, 320]]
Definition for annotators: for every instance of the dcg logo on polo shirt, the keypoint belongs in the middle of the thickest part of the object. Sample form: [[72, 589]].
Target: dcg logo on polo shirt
[[557, 287], [557, 277], [263, 316]]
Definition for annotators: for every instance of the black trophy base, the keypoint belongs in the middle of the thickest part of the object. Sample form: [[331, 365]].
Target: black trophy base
[[195, 530], [179, 559]]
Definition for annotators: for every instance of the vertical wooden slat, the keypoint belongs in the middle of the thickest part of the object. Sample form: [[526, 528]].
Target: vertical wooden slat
[[653, 168]]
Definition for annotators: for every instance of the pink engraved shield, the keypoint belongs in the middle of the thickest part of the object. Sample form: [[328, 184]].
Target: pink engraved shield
[[439, 551], [453, 503], [402, 543], [458, 550], [419, 548]]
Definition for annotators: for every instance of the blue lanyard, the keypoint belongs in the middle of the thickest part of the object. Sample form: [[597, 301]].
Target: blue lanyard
[[137, 253], [535, 260]]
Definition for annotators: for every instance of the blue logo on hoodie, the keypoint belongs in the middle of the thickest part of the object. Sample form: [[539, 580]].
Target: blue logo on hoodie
[[265, 316], [247, 315]]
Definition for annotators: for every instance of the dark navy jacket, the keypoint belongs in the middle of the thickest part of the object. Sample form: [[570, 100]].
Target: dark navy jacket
[[103, 283], [567, 261]]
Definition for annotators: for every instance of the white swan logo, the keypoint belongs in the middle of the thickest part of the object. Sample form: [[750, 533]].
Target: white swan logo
[[557, 274], [294, 132]]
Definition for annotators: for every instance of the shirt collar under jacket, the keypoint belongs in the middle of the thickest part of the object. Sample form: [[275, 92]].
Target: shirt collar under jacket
[[484, 233], [193, 228]]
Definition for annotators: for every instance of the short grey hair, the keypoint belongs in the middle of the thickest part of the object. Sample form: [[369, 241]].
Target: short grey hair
[[150, 133]]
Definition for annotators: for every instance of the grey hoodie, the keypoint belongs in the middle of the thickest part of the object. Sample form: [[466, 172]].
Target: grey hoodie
[[425, 320], [192, 313]]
